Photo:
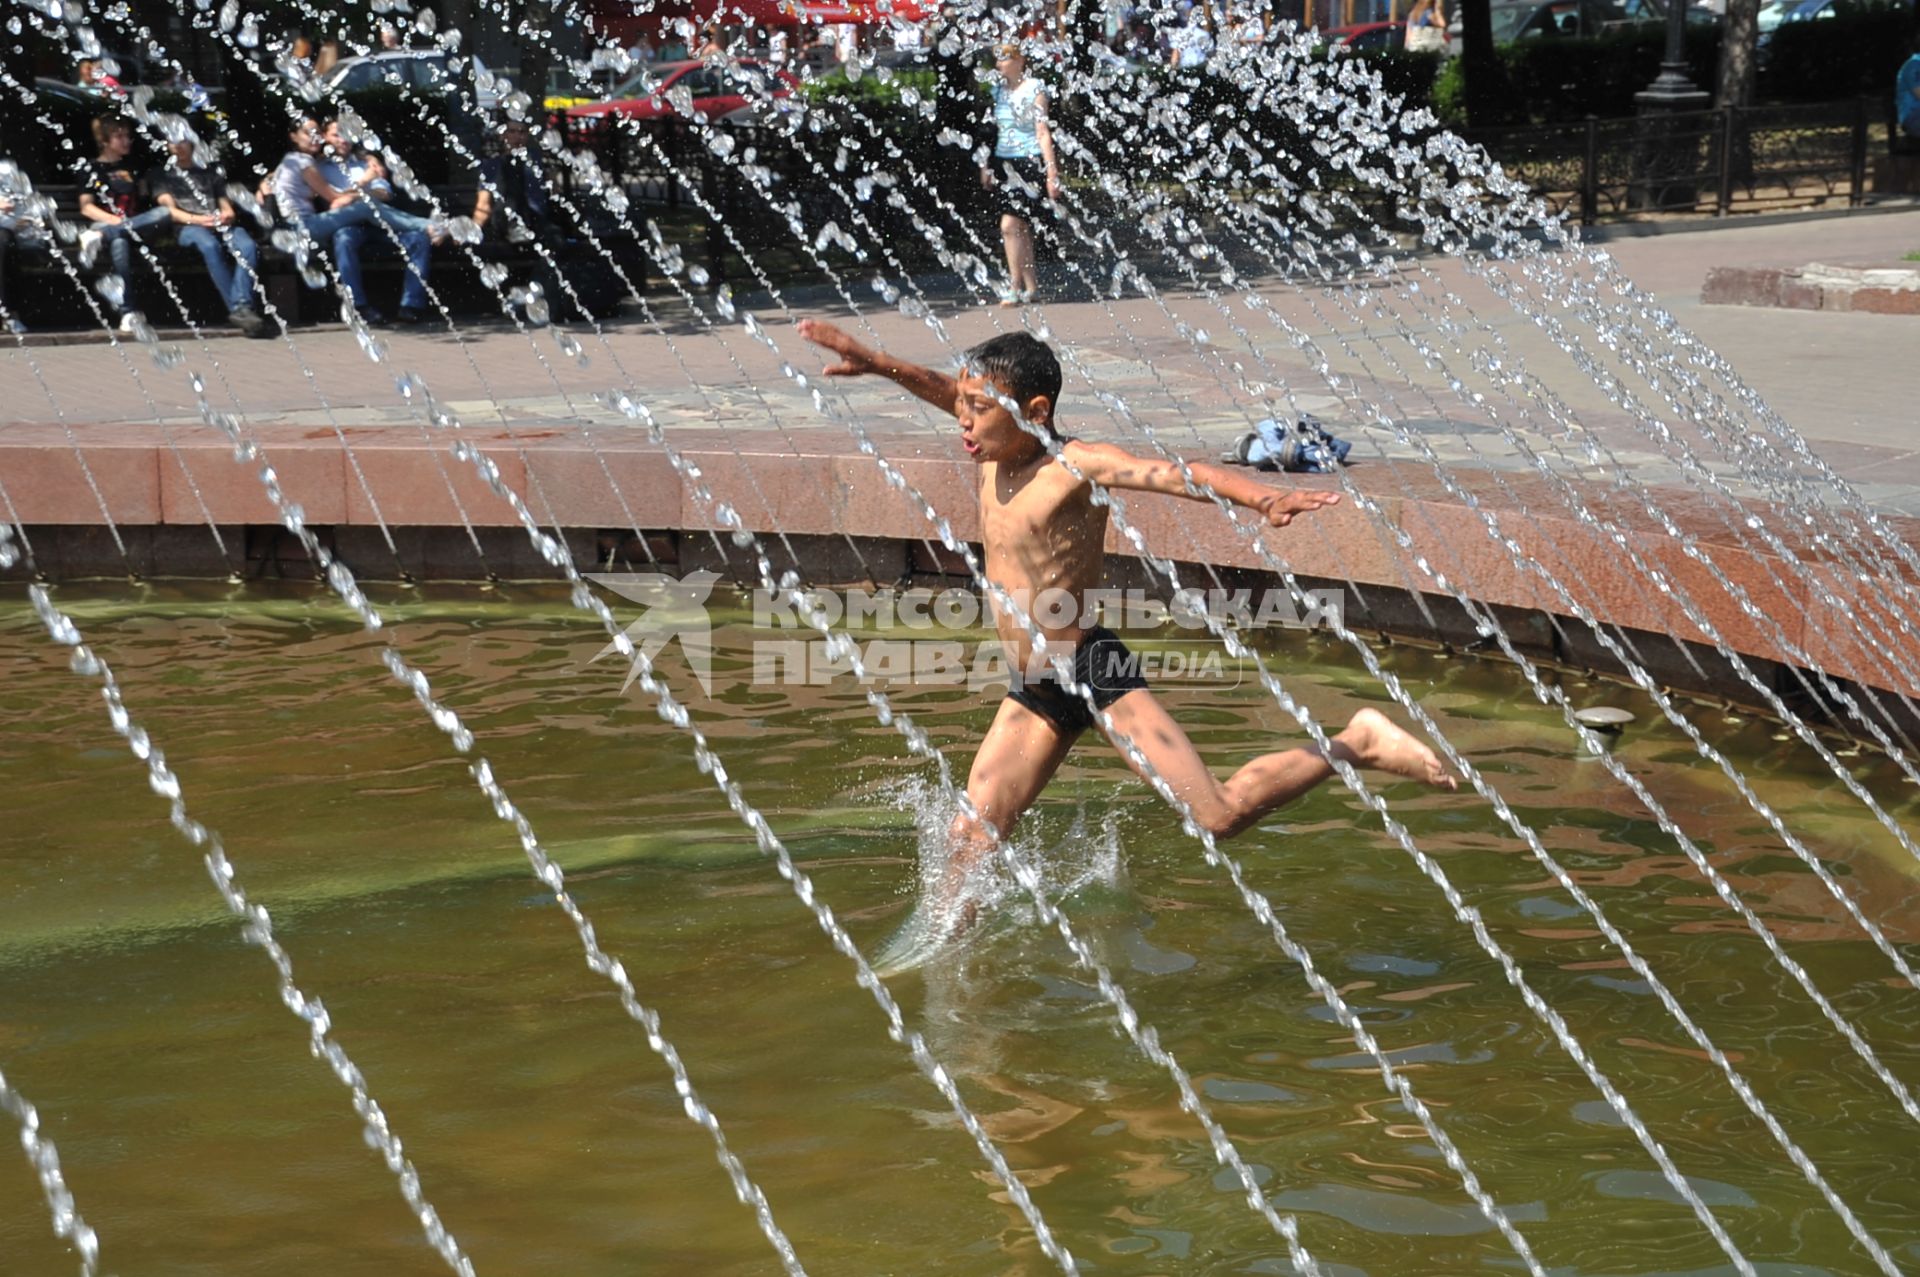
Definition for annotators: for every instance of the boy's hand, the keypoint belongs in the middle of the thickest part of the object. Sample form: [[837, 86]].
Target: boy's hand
[[855, 360], [1280, 507]]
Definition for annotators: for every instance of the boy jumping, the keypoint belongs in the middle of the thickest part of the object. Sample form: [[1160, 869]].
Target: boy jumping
[[1043, 533]]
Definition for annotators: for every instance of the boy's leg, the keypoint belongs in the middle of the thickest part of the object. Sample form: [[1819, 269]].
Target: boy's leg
[[1019, 755], [1226, 808]]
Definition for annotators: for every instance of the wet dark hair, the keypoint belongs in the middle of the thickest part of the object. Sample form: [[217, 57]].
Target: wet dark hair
[[1021, 365]]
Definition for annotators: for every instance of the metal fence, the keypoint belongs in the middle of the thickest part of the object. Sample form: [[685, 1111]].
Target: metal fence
[[1707, 162], [1717, 162]]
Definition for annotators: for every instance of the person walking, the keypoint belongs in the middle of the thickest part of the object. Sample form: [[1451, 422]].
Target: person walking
[[1023, 166]]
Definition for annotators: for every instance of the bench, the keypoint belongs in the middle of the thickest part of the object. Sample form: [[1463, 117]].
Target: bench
[[45, 296]]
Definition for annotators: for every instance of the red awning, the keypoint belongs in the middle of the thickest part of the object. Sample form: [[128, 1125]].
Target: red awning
[[864, 13], [627, 22]]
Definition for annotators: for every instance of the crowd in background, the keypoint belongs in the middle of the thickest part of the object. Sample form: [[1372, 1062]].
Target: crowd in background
[[338, 196]]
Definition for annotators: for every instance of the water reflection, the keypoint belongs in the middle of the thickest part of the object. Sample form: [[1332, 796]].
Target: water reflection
[[562, 1146]]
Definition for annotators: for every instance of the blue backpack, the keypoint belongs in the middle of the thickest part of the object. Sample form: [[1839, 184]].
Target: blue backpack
[[1301, 447]]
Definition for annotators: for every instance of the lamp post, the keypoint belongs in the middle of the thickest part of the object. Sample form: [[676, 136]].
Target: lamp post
[[1665, 159]]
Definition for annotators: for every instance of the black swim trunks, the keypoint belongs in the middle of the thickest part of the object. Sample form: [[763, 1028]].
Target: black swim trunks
[[1102, 662]]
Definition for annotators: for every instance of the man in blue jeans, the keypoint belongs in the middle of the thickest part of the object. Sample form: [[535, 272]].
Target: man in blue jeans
[[110, 204], [203, 220], [347, 219]]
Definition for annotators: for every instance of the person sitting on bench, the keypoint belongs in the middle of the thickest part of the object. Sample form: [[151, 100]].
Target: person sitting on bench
[[195, 196], [110, 199], [344, 217]]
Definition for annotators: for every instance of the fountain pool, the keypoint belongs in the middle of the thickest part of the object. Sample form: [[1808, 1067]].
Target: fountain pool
[[201, 1139]]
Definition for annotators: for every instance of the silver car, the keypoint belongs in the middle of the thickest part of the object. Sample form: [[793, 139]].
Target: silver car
[[424, 69]]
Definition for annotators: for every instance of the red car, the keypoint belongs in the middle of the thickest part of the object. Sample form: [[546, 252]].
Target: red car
[[713, 91], [1368, 35]]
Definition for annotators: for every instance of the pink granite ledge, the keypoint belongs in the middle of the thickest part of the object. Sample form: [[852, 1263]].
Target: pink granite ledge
[[814, 482], [1872, 291]]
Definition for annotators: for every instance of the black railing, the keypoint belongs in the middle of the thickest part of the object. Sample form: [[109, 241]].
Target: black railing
[[1702, 163], [1716, 162]]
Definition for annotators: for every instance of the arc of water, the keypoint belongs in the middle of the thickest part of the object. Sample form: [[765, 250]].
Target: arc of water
[[1598, 527], [257, 928], [1681, 391], [1365, 1041], [676, 714], [1149, 1045], [340, 577], [28, 98], [340, 580], [424, 410], [1794, 722], [548, 871], [1739, 1085], [1014, 409], [402, 174], [1702, 355], [68, 1225], [1616, 537], [1833, 603], [1144, 1037], [1793, 1152], [1766, 812], [1148, 1041], [1462, 911], [1748, 452], [148, 338], [1475, 163], [1214, 358]]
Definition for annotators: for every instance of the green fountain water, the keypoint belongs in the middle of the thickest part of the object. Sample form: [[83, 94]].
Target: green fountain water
[[201, 1139]]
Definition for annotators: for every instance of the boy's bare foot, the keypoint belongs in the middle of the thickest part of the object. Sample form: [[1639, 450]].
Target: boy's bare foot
[[1376, 741]]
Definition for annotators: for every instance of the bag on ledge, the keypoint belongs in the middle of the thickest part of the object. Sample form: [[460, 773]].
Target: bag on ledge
[[1302, 447]]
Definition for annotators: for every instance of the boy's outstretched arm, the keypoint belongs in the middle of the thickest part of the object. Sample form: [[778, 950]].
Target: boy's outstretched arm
[[1113, 467], [857, 360]]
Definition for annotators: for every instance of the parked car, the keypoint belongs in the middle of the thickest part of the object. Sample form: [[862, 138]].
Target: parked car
[[1515, 20], [414, 69], [1774, 16], [1368, 35], [713, 91]]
